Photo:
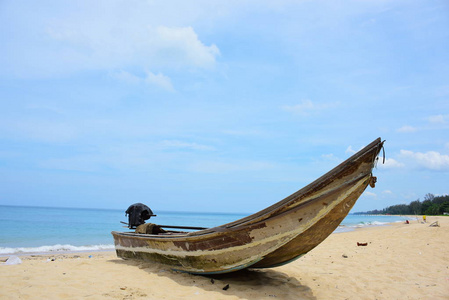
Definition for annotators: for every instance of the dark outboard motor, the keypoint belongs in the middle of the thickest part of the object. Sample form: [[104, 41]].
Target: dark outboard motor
[[137, 214]]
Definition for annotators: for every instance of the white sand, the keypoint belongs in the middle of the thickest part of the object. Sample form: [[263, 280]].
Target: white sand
[[400, 262]]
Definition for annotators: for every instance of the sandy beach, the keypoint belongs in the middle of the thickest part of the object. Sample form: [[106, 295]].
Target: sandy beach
[[401, 261]]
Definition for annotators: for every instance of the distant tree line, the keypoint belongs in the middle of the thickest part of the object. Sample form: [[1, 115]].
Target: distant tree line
[[432, 205]]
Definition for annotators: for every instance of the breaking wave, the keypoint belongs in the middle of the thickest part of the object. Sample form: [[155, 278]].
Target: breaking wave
[[55, 248], [350, 227]]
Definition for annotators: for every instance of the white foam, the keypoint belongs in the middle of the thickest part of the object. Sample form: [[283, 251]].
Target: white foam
[[55, 248], [350, 227], [370, 223]]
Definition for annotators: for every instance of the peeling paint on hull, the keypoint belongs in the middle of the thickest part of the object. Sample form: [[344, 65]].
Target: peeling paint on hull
[[274, 236]]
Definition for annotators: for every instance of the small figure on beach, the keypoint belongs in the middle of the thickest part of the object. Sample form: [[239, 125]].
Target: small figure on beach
[[407, 222], [424, 218]]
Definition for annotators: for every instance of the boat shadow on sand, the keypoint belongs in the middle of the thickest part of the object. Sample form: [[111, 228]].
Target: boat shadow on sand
[[245, 284]]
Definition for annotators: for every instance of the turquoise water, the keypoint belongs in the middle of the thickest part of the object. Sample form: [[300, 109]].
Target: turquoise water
[[45, 229]]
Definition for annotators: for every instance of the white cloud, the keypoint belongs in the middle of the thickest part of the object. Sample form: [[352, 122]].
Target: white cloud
[[441, 195], [226, 167], [331, 158], [439, 119], [243, 132], [151, 46], [431, 160], [83, 41], [159, 80], [350, 150], [307, 106], [185, 145], [407, 129], [370, 194], [126, 77], [151, 79], [390, 163], [182, 44], [387, 192], [303, 107]]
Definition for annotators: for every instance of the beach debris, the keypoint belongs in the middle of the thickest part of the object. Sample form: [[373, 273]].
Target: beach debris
[[13, 260], [344, 256], [226, 287], [212, 281], [435, 224], [362, 244], [123, 288]]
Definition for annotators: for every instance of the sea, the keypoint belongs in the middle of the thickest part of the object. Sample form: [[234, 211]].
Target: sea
[[28, 230]]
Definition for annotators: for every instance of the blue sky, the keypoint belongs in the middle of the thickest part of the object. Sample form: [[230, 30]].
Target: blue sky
[[222, 106]]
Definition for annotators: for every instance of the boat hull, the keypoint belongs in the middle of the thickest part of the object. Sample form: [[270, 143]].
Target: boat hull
[[274, 236]]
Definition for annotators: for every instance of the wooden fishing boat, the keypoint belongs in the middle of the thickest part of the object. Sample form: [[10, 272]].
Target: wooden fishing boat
[[272, 237]]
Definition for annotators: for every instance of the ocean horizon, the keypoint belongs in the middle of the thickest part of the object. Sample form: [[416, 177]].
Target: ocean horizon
[[28, 229]]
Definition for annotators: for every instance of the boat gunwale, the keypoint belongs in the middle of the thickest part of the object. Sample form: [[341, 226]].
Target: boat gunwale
[[270, 211], [225, 230]]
